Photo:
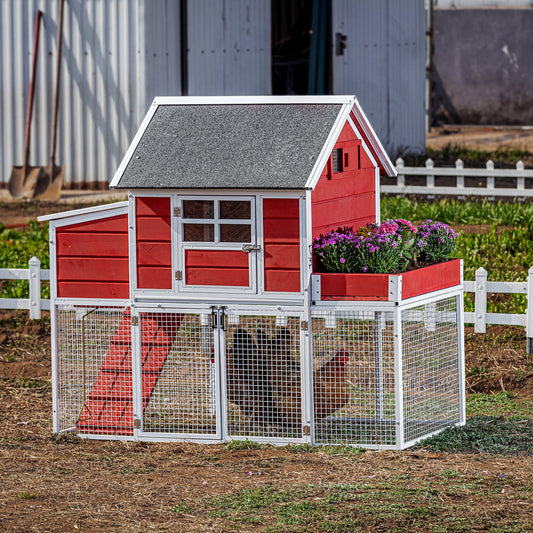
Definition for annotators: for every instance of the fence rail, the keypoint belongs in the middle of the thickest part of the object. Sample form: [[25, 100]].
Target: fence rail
[[458, 181], [480, 287]]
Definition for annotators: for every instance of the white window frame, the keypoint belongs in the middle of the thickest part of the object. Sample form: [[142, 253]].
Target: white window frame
[[182, 246]]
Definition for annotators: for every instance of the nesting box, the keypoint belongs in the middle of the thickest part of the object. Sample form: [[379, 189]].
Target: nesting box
[[191, 311]]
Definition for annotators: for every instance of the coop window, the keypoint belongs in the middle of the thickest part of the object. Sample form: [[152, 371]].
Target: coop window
[[337, 160], [217, 221]]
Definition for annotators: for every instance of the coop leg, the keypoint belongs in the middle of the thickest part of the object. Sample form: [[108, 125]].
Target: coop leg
[[529, 345], [378, 351]]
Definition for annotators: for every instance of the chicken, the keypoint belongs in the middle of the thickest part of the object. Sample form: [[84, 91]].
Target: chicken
[[264, 380], [330, 386], [248, 384]]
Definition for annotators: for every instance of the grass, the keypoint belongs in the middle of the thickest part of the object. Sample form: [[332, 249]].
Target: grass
[[447, 501], [502, 404], [503, 157], [485, 434]]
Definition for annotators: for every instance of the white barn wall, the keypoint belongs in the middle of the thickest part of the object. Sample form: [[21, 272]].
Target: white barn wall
[[117, 55]]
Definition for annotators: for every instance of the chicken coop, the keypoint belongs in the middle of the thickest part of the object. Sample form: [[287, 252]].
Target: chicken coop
[[193, 310]]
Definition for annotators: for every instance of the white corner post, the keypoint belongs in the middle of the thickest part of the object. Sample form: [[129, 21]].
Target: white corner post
[[529, 313], [480, 324], [35, 288], [398, 378]]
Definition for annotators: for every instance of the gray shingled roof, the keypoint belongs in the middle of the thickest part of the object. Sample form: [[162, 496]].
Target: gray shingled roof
[[231, 146]]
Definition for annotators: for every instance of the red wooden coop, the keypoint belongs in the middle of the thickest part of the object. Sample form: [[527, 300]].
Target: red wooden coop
[[192, 311]]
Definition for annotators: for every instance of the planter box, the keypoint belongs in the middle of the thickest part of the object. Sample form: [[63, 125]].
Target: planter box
[[387, 287]]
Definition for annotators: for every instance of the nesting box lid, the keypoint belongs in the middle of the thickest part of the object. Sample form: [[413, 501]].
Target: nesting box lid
[[240, 142]]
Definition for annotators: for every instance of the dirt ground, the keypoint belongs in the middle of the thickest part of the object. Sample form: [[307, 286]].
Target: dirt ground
[[68, 484], [484, 138]]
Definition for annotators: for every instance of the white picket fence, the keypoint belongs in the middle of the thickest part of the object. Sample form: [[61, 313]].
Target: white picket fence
[[479, 317], [518, 182], [34, 274]]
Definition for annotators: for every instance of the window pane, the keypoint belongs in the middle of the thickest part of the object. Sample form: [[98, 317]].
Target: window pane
[[198, 232], [198, 209], [235, 233], [235, 209]]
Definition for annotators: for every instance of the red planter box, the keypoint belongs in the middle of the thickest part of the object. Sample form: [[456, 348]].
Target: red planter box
[[377, 286]]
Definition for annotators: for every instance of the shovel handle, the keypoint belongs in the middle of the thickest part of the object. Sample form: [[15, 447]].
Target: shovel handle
[[31, 96], [61, 6]]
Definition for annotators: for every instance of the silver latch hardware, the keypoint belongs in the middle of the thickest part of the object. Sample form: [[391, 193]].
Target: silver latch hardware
[[304, 325], [179, 275], [251, 248], [134, 320], [177, 212]]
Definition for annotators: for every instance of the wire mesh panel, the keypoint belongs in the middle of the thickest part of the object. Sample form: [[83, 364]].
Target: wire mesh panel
[[263, 376], [94, 376], [353, 378], [178, 373], [431, 374]]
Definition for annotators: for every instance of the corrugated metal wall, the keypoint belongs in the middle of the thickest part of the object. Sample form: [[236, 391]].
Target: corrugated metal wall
[[228, 47], [117, 55], [384, 65]]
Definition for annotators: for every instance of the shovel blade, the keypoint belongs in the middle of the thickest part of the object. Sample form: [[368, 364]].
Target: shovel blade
[[16, 182], [23, 179], [48, 188]]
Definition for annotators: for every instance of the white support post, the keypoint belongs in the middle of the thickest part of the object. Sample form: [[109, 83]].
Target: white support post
[[490, 179], [480, 324], [35, 288], [430, 179], [529, 313], [398, 378], [400, 179], [459, 180], [520, 180]]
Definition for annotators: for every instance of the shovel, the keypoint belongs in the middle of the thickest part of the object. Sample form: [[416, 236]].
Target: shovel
[[48, 184], [22, 177]]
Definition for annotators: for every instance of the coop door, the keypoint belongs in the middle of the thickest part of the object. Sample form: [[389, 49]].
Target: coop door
[[263, 376], [178, 376], [217, 250]]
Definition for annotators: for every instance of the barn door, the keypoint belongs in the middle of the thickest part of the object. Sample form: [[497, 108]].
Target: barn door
[[378, 54], [263, 376], [217, 248]]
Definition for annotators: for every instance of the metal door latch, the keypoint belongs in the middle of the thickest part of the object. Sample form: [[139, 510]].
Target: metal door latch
[[251, 248]]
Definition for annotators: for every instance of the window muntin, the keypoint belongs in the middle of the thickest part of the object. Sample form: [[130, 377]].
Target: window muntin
[[217, 221]]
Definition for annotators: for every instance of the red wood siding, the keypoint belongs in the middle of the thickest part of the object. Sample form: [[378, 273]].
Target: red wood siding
[[217, 267], [281, 233], [92, 259], [154, 243], [345, 198]]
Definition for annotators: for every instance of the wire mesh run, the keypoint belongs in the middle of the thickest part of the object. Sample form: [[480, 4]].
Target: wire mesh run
[[263, 376], [430, 359], [178, 373], [94, 389], [353, 378]]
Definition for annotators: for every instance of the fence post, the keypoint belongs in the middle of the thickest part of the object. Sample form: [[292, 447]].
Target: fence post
[[480, 324], [529, 313], [35, 288], [400, 178], [490, 179], [430, 180], [520, 181]]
